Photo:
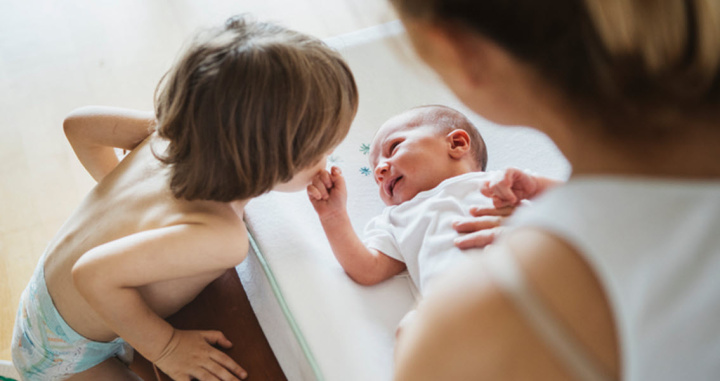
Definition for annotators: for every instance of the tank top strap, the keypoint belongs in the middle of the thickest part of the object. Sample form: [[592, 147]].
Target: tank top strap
[[508, 276]]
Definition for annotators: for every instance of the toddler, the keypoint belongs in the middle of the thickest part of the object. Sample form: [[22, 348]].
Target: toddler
[[248, 108], [429, 164]]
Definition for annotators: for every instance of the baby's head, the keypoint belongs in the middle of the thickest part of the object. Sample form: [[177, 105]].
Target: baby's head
[[250, 107], [419, 148]]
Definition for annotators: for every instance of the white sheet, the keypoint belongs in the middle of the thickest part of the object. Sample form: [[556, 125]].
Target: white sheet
[[344, 331]]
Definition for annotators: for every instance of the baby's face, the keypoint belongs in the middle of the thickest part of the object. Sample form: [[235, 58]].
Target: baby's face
[[408, 158]]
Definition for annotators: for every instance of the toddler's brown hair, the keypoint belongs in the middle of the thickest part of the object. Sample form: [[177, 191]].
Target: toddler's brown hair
[[249, 105]]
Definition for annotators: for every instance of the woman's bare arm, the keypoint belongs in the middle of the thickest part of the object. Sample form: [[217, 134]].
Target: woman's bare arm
[[94, 132], [468, 329]]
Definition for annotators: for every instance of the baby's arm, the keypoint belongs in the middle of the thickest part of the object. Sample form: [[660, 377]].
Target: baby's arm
[[108, 277], [94, 132], [516, 185], [328, 196]]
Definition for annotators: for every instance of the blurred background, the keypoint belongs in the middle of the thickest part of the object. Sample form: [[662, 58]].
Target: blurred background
[[57, 55]]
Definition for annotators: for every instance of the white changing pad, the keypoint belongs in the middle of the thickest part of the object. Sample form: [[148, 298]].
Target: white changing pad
[[320, 324]]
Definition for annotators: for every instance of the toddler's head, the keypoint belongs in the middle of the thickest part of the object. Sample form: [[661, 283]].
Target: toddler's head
[[248, 107], [419, 148]]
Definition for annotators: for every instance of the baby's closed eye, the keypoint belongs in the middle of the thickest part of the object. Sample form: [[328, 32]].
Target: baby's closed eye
[[393, 146]]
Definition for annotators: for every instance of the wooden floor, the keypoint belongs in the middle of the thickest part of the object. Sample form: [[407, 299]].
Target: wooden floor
[[56, 55]]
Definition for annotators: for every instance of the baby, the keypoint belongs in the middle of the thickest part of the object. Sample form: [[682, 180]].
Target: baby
[[429, 164], [250, 107]]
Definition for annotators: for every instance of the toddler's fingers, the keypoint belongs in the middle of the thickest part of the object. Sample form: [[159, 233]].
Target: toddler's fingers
[[228, 363], [203, 374], [217, 337], [220, 372]]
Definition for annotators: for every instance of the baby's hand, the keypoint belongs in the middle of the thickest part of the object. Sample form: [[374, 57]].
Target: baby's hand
[[191, 355], [328, 193], [511, 188]]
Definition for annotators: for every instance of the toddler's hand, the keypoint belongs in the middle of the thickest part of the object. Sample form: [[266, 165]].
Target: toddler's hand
[[511, 188], [328, 193], [191, 355]]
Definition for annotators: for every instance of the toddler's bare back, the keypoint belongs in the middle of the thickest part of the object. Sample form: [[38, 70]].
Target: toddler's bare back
[[134, 198]]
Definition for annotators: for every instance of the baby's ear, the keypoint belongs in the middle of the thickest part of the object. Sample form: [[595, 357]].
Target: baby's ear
[[458, 143]]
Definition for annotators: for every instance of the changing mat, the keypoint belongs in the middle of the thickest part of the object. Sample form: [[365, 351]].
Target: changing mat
[[320, 324]]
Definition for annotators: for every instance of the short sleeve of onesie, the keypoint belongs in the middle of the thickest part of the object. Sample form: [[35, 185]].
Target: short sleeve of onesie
[[379, 235]]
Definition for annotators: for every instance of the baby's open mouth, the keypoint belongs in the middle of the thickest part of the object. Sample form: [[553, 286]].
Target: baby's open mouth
[[391, 185]]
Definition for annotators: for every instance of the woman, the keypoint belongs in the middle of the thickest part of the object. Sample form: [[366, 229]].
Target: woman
[[613, 274]]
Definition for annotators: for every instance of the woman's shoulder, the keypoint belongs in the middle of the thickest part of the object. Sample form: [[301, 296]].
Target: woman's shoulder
[[470, 326]]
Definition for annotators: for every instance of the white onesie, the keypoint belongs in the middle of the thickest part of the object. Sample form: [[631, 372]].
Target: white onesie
[[419, 232]]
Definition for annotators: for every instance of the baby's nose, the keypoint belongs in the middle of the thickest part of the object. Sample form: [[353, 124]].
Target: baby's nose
[[380, 171]]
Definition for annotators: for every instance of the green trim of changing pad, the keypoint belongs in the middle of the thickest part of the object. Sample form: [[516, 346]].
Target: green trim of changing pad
[[286, 310]]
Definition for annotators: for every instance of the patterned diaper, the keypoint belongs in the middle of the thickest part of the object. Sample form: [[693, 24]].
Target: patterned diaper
[[44, 347]]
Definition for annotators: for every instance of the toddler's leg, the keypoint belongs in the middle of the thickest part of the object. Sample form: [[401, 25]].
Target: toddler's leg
[[111, 370]]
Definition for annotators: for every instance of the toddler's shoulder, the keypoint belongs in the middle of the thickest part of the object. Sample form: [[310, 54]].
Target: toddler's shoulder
[[222, 229]]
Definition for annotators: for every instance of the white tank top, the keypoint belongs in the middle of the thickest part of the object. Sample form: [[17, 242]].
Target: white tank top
[[655, 247]]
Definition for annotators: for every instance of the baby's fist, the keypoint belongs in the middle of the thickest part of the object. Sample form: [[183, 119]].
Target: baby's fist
[[327, 191], [319, 188]]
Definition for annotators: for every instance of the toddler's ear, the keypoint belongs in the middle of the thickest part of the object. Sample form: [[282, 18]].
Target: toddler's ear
[[458, 143]]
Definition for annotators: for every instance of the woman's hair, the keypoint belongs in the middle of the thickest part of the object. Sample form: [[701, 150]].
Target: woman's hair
[[639, 67], [249, 105], [446, 119]]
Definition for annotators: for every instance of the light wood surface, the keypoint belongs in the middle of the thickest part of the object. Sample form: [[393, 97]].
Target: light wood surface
[[58, 55]]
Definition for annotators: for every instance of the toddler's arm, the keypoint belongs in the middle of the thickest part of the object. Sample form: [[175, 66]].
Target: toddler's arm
[[109, 277], [94, 132], [328, 196], [516, 185]]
